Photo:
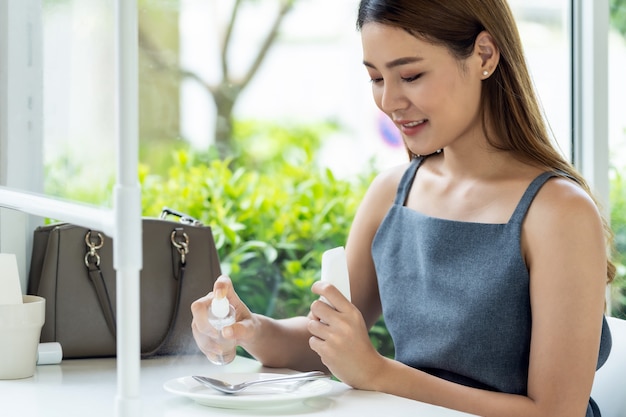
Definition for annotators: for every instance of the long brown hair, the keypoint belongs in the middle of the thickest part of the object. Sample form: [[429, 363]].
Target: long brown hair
[[508, 100]]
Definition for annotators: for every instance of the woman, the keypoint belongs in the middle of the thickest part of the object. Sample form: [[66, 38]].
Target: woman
[[486, 252]]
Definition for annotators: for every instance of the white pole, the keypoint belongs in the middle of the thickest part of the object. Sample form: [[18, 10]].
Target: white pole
[[591, 20], [127, 256]]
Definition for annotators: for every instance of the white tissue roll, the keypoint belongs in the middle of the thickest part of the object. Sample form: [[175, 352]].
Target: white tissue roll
[[49, 353], [335, 271]]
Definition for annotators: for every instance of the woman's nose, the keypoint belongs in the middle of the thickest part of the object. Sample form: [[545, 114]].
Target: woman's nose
[[393, 99]]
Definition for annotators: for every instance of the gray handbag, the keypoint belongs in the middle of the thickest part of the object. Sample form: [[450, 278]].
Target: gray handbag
[[72, 268]]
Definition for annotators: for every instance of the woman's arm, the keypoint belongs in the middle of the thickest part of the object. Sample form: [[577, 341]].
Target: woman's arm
[[567, 256], [285, 342], [275, 343]]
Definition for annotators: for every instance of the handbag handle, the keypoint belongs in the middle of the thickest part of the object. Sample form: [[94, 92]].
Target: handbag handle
[[180, 247], [92, 261]]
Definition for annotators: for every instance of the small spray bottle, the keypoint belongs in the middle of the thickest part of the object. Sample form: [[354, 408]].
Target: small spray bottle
[[222, 314]]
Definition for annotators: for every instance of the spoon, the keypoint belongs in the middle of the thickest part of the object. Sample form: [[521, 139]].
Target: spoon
[[227, 388]]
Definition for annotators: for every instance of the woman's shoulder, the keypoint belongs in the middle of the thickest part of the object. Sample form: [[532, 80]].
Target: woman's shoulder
[[382, 191], [561, 195], [563, 208], [391, 176], [387, 181]]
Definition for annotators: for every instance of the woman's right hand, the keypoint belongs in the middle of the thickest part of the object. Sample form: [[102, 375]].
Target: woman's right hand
[[205, 335]]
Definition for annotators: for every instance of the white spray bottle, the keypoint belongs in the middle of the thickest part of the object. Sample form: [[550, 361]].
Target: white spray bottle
[[222, 314]]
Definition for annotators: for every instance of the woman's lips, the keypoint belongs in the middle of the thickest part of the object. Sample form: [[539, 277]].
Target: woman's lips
[[411, 127]]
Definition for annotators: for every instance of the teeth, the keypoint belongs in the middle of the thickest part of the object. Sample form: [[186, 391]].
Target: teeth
[[413, 124]]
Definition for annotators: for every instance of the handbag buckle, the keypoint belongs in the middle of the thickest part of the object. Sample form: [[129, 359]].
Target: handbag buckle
[[181, 245], [93, 246]]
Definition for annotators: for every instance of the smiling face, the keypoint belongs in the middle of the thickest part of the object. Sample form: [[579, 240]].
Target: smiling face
[[431, 96]]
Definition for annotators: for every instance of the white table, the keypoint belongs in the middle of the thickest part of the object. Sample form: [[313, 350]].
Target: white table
[[87, 388]]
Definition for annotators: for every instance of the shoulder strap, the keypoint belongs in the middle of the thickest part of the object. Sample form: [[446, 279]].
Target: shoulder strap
[[529, 195], [407, 181], [95, 275], [180, 242], [94, 241]]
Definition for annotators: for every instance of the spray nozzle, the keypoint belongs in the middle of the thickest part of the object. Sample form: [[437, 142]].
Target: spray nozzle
[[220, 307]]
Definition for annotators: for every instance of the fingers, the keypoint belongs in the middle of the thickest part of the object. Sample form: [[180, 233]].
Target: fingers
[[331, 333], [329, 320], [223, 287], [340, 337], [331, 294], [200, 307], [204, 340], [322, 312], [206, 336]]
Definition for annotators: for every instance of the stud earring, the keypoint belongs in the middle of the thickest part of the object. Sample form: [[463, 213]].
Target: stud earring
[[485, 73]]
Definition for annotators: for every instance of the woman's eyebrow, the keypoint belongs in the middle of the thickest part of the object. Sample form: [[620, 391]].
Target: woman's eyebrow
[[396, 62]]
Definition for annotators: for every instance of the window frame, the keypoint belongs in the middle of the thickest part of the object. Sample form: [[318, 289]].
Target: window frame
[[590, 94], [123, 222], [590, 24]]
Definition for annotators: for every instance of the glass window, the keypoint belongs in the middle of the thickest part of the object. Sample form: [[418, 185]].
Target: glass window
[[79, 99], [311, 73], [544, 29]]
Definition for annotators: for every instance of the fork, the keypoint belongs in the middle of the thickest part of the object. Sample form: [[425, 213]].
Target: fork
[[227, 388]]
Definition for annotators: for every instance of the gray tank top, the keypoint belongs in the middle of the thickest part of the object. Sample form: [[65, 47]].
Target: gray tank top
[[455, 295]]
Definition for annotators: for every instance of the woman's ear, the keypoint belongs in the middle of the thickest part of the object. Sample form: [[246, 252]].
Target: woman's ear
[[488, 53]]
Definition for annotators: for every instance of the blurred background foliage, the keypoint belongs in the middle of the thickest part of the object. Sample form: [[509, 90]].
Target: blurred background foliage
[[618, 224], [618, 15], [618, 192]]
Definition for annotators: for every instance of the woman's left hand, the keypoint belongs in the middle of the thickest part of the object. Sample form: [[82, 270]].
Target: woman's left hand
[[340, 337]]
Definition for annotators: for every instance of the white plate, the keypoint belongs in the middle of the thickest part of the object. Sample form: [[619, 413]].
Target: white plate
[[263, 395]]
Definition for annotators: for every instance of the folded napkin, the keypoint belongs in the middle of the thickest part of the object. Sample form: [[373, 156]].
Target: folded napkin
[[10, 290]]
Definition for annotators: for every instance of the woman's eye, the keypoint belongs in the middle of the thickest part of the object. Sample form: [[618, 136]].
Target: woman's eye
[[411, 78], [378, 80]]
